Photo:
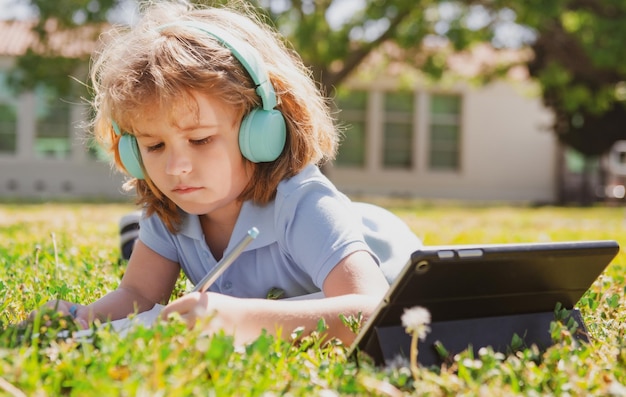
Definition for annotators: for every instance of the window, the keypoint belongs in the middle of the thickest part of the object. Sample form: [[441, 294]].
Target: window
[[445, 132], [53, 124], [352, 106], [8, 117], [398, 129], [393, 115], [95, 151]]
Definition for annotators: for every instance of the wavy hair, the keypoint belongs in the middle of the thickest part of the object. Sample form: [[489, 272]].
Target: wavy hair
[[142, 67]]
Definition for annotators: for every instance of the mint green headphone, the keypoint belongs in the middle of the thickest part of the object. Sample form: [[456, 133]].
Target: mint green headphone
[[262, 133]]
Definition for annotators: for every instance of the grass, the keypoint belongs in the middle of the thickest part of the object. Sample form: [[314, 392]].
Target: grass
[[70, 251]]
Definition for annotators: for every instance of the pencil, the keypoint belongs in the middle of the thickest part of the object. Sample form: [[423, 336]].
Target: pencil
[[226, 261]]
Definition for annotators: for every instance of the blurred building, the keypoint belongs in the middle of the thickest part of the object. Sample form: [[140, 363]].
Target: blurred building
[[404, 135], [451, 139], [44, 149]]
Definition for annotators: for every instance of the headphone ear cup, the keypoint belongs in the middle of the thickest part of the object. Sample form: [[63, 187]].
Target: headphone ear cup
[[130, 156], [262, 135]]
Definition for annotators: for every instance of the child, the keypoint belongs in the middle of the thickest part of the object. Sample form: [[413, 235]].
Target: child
[[222, 129]]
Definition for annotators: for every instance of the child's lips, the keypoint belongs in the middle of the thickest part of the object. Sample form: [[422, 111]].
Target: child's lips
[[186, 189]]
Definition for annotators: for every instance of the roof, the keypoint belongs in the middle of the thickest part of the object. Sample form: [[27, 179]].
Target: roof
[[482, 59], [16, 37]]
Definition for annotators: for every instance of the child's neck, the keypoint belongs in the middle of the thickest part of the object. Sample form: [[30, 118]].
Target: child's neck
[[217, 231]]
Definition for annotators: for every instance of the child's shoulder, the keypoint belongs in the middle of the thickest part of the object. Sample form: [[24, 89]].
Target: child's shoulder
[[310, 175], [306, 188]]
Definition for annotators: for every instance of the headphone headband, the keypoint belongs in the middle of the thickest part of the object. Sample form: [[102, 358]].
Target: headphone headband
[[243, 52]]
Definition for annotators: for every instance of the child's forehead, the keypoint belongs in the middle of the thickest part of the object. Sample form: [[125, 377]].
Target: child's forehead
[[185, 112], [181, 109]]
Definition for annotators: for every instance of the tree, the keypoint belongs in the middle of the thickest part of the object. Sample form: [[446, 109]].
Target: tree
[[580, 65], [578, 58], [578, 61], [335, 49], [45, 61], [332, 50]]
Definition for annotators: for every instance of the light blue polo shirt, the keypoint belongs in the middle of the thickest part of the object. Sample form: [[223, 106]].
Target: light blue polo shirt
[[304, 233]]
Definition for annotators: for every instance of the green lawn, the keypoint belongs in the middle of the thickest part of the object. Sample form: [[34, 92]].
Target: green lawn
[[70, 251]]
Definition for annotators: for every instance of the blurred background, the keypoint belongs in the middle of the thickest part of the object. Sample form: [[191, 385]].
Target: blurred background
[[500, 100]]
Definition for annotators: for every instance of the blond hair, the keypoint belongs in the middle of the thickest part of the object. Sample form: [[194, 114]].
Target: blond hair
[[146, 66]]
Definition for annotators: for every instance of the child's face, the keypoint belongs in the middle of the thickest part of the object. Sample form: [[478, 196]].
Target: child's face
[[193, 156]]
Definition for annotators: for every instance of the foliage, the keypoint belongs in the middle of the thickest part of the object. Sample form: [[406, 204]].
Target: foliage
[[582, 43], [32, 68], [333, 51], [70, 251], [43, 62], [577, 59]]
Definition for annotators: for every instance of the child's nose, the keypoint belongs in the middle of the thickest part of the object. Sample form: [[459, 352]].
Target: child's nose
[[178, 163]]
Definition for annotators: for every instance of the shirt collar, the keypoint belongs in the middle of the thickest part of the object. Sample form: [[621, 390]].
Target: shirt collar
[[190, 227], [251, 215]]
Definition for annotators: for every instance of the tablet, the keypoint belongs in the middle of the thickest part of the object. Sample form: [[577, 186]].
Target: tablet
[[479, 281]]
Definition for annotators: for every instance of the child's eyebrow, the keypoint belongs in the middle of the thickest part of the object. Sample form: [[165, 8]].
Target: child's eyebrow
[[206, 126], [142, 135], [139, 134]]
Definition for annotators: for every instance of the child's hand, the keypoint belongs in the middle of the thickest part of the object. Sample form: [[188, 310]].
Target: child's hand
[[191, 307], [215, 312], [77, 312]]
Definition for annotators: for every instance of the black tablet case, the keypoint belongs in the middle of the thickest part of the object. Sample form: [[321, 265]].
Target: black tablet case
[[481, 295]]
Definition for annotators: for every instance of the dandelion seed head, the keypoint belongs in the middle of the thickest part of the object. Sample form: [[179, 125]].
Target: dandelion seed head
[[416, 320]]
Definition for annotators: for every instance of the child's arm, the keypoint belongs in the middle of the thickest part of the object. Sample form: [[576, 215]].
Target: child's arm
[[149, 279], [356, 285]]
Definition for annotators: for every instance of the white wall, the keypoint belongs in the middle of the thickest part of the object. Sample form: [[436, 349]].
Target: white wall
[[510, 151], [25, 176], [47, 179], [507, 154]]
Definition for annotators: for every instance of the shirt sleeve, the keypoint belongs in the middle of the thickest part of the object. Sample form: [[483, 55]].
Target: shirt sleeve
[[319, 227], [154, 234]]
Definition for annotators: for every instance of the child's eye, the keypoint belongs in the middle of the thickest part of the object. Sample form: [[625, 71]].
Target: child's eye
[[202, 141], [152, 148]]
